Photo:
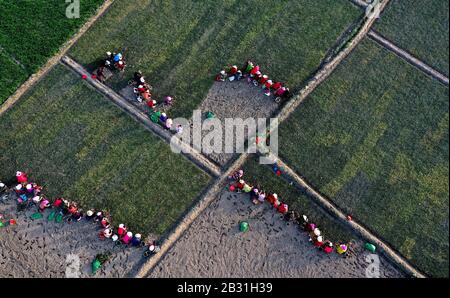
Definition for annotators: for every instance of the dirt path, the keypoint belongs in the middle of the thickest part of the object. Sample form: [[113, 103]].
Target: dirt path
[[54, 60], [272, 248], [408, 57]]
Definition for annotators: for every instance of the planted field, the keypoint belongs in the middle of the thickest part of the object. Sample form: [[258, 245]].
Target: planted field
[[11, 76], [32, 31], [420, 27], [262, 175], [80, 146], [374, 139], [181, 45]]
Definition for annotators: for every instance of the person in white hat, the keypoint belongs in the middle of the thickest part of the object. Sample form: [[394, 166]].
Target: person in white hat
[[29, 188], [121, 230], [107, 233], [21, 177], [316, 232], [318, 242], [3, 188], [136, 241], [120, 65], [37, 199], [221, 77], [89, 214], [98, 216], [115, 237], [18, 189], [163, 118]]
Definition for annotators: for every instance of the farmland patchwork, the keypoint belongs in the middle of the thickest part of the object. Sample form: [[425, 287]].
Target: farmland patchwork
[[374, 138]]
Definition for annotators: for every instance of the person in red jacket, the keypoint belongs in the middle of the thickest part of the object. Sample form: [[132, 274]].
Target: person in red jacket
[[328, 247], [254, 70], [283, 208], [233, 70], [240, 184], [276, 86], [272, 198], [21, 177]]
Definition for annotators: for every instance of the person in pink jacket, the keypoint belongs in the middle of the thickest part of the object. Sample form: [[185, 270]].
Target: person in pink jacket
[[127, 238]]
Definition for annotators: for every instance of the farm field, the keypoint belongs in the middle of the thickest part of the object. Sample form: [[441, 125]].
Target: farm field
[[31, 31], [80, 146], [374, 139], [11, 76], [181, 45], [262, 175], [420, 27]]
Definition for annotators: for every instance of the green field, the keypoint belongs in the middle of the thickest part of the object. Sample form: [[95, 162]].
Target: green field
[[82, 147], [181, 45], [263, 176], [420, 27], [11, 76], [374, 139], [31, 31]]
